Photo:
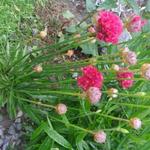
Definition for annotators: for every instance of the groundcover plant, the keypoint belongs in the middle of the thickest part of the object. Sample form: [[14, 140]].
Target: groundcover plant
[[99, 101]]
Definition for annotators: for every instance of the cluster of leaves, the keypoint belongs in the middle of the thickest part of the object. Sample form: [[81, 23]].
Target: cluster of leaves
[[34, 93]]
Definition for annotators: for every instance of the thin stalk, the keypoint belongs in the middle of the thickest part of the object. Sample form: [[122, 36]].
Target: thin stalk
[[132, 105], [39, 103], [99, 114]]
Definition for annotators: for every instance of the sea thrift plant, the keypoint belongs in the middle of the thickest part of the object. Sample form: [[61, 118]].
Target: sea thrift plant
[[94, 95], [145, 71], [100, 137], [135, 123], [125, 78], [91, 78], [109, 27], [135, 23], [61, 109], [129, 57]]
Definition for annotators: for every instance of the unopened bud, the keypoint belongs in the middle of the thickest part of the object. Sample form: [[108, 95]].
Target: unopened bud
[[94, 95], [135, 123], [100, 137], [145, 71], [61, 109], [115, 67], [112, 92], [43, 34], [38, 68]]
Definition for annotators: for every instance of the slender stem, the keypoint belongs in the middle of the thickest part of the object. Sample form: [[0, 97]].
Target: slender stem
[[39, 103], [132, 105], [99, 114], [114, 118]]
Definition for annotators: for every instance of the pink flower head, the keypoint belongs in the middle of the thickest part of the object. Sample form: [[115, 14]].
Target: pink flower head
[[135, 23], [129, 57], [61, 109], [125, 78], [100, 137], [91, 78], [135, 123], [109, 27], [145, 71], [94, 95]]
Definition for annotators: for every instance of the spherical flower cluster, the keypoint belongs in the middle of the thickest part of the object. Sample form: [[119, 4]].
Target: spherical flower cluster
[[91, 78], [129, 57], [100, 137], [93, 94], [135, 123], [125, 78], [135, 23], [109, 27], [145, 71], [61, 109]]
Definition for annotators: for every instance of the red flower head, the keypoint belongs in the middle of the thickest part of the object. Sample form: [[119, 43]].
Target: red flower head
[[125, 78], [91, 78], [135, 23], [109, 27]]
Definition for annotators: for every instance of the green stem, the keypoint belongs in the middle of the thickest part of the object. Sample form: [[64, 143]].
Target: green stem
[[39, 103]]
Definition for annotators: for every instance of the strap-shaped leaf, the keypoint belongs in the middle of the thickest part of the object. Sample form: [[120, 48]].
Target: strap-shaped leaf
[[57, 137], [38, 131]]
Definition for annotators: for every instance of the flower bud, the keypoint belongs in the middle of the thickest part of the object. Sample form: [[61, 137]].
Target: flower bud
[[38, 68], [135, 123], [115, 67], [93, 41], [112, 92], [129, 57], [100, 137], [145, 71], [91, 30], [77, 36], [122, 130], [94, 95], [135, 23], [61, 109], [43, 34], [70, 53]]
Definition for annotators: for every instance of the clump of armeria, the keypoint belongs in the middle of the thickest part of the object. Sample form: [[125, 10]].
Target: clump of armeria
[[145, 71], [100, 137], [135, 123], [61, 109]]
